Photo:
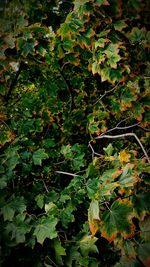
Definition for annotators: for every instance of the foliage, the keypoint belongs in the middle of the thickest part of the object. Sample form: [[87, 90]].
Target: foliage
[[74, 137]]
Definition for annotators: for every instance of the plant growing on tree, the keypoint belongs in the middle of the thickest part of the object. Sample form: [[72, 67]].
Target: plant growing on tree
[[74, 137]]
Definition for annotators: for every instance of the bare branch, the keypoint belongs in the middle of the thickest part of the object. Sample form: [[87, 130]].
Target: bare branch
[[144, 129], [66, 63], [93, 152], [45, 186], [126, 135], [67, 173], [105, 93]]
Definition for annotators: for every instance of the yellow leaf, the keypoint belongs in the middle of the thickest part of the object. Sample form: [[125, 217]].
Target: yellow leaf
[[93, 217], [124, 156]]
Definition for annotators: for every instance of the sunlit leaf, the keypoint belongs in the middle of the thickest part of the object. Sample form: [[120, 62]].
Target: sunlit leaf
[[87, 245], [93, 217], [59, 251], [38, 156], [109, 149], [46, 228]]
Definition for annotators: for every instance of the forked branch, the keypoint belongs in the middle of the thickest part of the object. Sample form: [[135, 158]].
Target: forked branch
[[126, 135]]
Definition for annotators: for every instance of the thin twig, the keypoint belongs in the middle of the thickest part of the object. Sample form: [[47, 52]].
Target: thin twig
[[45, 186], [93, 152], [122, 127], [66, 63], [144, 129], [105, 93], [126, 135], [67, 173], [5, 124], [52, 262]]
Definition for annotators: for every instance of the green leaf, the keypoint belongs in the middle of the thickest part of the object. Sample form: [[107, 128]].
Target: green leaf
[[46, 228], [40, 200], [92, 187], [144, 253], [101, 42], [3, 182], [38, 156], [59, 251], [8, 213], [109, 149], [145, 228], [124, 262], [105, 73], [117, 220], [50, 208], [119, 25], [141, 204], [13, 205], [136, 35], [66, 215], [112, 60], [87, 245], [28, 48], [79, 3], [19, 228], [95, 68], [93, 217], [127, 177], [128, 249], [107, 189], [12, 158]]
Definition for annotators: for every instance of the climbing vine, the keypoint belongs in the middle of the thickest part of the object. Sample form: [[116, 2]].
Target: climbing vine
[[74, 133]]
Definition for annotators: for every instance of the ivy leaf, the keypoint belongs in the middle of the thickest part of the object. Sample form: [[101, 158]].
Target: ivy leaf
[[12, 158], [18, 228], [105, 74], [93, 217], [95, 68], [46, 228], [3, 182], [145, 228], [128, 249], [141, 204], [13, 205], [109, 150], [124, 262], [144, 253], [100, 42], [117, 220], [38, 156], [119, 25], [59, 251], [64, 30], [87, 245], [107, 189], [40, 200], [128, 178], [136, 35], [50, 208], [28, 48], [78, 3], [113, 59]]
